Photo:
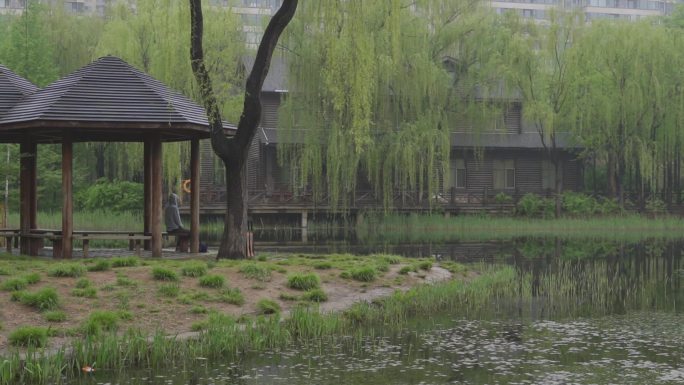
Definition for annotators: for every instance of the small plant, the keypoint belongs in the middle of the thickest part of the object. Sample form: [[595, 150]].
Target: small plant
[[163, 274], [382, 266], [67, 270], [125, 262], [212, 281], [406, 269], [199, 326], [267, 306], [101, 321], [391, 259], [261, 258], [199, 309], [425, 265], [88, 292], [83, 283], [315, 295], [122, 280], [32, 278], [43, 299], [304, 281], [288, 297], [254, 271], [232, 296], [503, 198], [55, 316], [325, 265], [125, 315], [100, 265], [29, 336], [363, 274], [14, 284], [194, 269], [169, 290]]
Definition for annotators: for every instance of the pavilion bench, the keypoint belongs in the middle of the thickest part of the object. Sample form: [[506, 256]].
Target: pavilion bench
[[134, 239], [11, 238], [55, 236], [183, 240]]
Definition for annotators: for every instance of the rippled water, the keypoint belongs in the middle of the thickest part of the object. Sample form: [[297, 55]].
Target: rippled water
[[620, 321]]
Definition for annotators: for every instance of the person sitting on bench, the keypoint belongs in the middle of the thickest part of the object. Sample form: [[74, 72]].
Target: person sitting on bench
[[174, 226]]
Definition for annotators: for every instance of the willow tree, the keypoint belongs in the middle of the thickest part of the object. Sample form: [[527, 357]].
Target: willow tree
[[234, 150], [542, 68], [629, 99], [371, 99], [154, 38]]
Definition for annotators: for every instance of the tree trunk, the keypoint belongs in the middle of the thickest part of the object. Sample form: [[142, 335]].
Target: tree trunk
[[558, 170], [233, 241]]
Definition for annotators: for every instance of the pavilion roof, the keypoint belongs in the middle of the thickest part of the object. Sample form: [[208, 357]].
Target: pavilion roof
[[109, 99], [13, 88]]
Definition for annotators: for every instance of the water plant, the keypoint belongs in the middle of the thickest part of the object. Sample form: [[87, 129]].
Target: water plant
[[194, 269], [303, 281], [67, 270], [164, 274], [29, 336], [267, 306], [212, 281]]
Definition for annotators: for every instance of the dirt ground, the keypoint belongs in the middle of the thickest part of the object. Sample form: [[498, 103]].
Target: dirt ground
[[153, 311]]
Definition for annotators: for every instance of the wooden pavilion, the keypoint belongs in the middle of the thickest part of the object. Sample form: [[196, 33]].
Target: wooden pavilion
[[110, 101]]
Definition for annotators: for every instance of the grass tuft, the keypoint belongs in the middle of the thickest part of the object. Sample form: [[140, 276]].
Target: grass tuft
[[170, 290], [87, 292], [125, 262], [232, 296], [101, 321], [267, 306], [363, 274], [255, 271], [212, 281], [67, 270], [55, 316], [43, 299], [315, 295], [163, 274], [194, 269], [303, 281], [100, 265], [14, 284], [29, 336]]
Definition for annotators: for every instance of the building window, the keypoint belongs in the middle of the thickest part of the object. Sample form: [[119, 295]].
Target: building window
[[458, 173], [548, 175], [504, 174]]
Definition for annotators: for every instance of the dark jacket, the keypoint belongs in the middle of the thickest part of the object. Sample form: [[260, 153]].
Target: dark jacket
[[172, 215]]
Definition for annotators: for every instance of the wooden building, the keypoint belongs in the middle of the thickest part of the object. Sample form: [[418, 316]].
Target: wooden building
[[510, 159]]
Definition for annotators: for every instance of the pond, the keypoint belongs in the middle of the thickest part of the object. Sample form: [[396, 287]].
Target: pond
[[599, 312]]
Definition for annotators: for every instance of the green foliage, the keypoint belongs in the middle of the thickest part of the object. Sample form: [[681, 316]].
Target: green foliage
[[256, 271], [199, 309], [100, 265], [122, 280], [83, 283], [169, 290], [232, 296], [14, 284], [267, 306], [390, 259], [502, 198], [324, 265], [101, 321], [43, 299], [55, 316], [29, 336], [164, 274], [288, 297], [194, 269], [302, 281], [67, 270], [364, 274], [212, 281], [656, 205], [32, 278], [315, 295], [114, 196], [87, 292], [425, 265], [125, 261]]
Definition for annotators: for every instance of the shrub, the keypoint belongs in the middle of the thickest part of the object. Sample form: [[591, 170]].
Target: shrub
[[406, 269], [125, 261], [254, 271], [67, 270], [32, 278], [502, 198], [88, 292], [303, 281], [530, 205], [55, 316], [577, 204], [315, 295], [425, 265], [29, 336], [14, 284], [363, 274], [194, 269], [82, 283], [267, 306], [323, 265], [101, 321], [163, 274], [100, 265], [212, 281], [111, 196], [169, 290], [232, 296], [43, 299]]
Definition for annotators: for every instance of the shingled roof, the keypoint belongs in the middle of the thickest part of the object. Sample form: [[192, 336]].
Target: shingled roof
[[109, 97], [13, 88]]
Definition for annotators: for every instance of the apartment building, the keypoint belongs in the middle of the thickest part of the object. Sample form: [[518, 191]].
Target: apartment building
[[77, 6], [593, 9]]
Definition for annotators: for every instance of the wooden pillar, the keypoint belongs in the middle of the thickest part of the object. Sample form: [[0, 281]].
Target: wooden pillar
[[156, 196], [67, 195], [194, 195], [28, 152], [147, 182]]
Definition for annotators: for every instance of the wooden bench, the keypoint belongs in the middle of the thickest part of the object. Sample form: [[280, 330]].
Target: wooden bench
[[183, 240], [134, 238], [55, 236], [11, 238]]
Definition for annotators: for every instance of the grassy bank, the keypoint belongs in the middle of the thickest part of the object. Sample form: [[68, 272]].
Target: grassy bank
[[437, 228]]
